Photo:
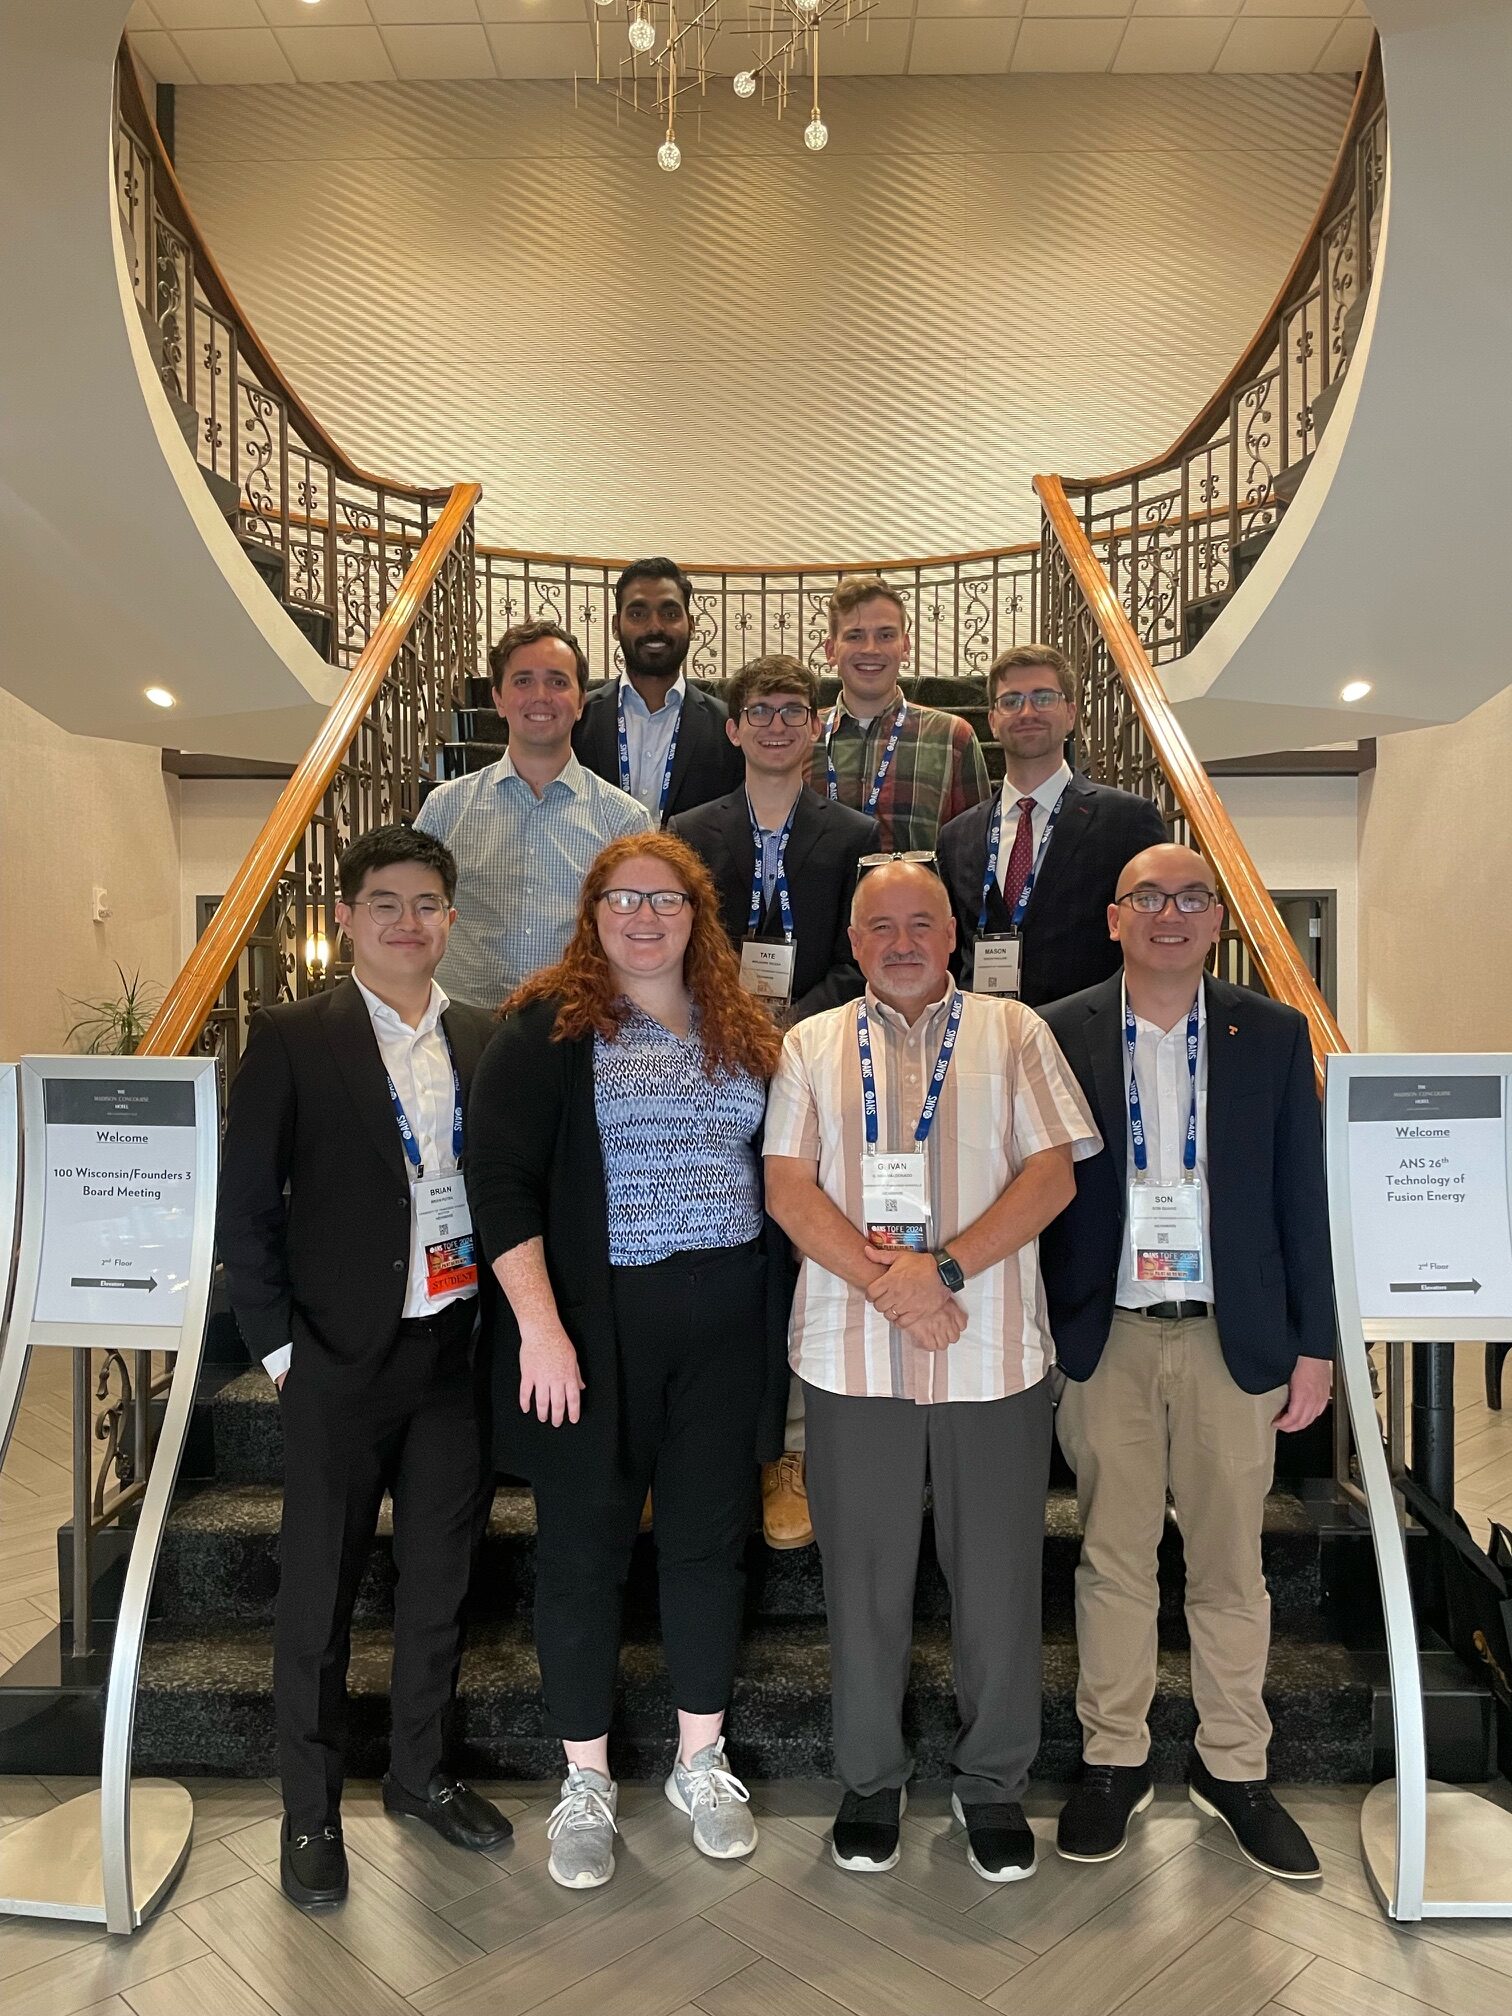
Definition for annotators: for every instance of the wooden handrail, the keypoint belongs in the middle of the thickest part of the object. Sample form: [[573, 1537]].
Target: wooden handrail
[[1276, 957], [193, 995]]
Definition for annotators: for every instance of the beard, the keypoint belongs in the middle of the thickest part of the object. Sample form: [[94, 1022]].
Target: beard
[[662, 664]]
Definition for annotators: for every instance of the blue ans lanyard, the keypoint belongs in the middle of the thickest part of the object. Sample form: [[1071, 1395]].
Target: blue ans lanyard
[[1136, 1116], [407, 1133], [784, 902], [624, 755], [833, 782], [936, 1083], [994, 840]]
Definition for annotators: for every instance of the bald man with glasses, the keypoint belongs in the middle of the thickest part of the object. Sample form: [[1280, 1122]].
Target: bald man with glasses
[[1190, 1294]]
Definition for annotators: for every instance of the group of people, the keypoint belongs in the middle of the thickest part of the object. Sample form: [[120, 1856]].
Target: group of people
[[738, 1107]]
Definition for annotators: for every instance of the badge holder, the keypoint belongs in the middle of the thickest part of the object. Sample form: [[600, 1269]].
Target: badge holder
[[997, 960], [766, 971], [1165, 1231], [895, 1201]]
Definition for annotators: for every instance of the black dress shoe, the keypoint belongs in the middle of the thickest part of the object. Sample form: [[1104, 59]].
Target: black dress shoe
[[313, 1868], [865, 1833], [1267, 1834], [999, 1840], [1094, 1822], [457, 1813]]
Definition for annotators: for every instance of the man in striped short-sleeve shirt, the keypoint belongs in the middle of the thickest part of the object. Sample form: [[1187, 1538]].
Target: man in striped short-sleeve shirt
[[920, 1334]]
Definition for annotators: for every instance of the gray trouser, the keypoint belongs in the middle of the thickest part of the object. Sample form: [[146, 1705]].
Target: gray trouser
[[989, 1461]]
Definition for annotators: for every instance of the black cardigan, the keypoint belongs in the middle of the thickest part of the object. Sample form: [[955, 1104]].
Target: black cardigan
[[535, 1170]]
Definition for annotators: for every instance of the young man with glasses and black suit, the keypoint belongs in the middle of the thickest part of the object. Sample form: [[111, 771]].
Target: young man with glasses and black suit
[[1190, 1292], [1032, 871], [784, 861]]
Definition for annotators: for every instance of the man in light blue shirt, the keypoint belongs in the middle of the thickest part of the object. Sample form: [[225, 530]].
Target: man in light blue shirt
[[525, 830]]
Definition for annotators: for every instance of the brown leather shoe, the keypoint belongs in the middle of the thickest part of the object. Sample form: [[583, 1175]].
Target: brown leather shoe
[[645, 1518], [784, 1503]]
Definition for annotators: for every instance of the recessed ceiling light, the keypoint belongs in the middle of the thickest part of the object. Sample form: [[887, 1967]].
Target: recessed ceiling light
[[1355, 690], [160, 696]]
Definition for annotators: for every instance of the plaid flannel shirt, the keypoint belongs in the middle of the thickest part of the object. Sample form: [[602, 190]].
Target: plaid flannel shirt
[[937, 772]]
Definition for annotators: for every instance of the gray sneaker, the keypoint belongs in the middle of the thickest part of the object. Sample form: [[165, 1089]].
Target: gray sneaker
[[716, 1801], [581, 1829]]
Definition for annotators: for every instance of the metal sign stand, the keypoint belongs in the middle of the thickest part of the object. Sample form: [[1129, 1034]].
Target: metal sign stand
[[1430, 1850], [110, 1857]]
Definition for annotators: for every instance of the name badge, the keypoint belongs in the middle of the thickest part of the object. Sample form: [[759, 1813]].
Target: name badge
[[895, 1200], [996, 963], [1165, 1232], [446, 1233], [766, 970]]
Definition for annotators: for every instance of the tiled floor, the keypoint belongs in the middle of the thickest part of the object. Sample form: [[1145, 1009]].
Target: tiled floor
[[1177, 1926]]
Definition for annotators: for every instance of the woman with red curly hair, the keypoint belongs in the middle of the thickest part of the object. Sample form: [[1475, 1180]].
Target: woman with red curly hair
[[616, 1190]]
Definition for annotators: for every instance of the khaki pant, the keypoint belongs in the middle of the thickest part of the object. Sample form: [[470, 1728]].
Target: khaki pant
[[1162, 1410]]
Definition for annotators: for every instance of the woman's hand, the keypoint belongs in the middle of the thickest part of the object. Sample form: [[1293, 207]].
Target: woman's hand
[[549, 1375]]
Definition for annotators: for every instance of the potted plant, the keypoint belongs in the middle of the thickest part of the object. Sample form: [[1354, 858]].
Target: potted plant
[[114, 1025]]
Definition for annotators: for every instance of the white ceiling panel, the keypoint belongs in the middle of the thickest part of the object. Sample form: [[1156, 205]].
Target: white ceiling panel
[[1171, 44], [141, 19], [234, 55], [1312, 8], [1274, 44], [1196, 8], [422, 13], [537, 11], [327, 14], [423, 54], [1066, 45], [163, 58], [973, 9], [209, 13], [1348, 47], [961, 48], [1063, 9], [872, 48], [551, 49], [337, 55]]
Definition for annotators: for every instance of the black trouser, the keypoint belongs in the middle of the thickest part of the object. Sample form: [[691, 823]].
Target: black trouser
[[691, 1335], [411, 1425]]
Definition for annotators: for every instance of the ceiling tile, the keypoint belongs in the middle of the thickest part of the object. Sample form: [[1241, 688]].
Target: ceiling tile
[[234, 55], [1274, 45], [428, 13], [1348, 47], [327, 14], [337, 55], [871, 48], [1170, 45], [1066, 45], [961, 48], [422, 53], [549, 49], [541, 10], [1203, 8], [1314, 8], [209, 13], [161, 55], [141, 18], [975, 9], [1088, 7]]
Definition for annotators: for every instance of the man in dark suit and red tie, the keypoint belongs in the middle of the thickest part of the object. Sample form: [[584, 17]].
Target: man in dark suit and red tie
[[1031, 872]]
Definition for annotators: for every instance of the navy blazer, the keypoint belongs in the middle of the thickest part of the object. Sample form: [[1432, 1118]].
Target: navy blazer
[[707, 763], [823, 854], [1066, 942], [1272, 1269]]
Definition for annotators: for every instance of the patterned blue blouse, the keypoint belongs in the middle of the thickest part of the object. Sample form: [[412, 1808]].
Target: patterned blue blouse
[[679, 1164]]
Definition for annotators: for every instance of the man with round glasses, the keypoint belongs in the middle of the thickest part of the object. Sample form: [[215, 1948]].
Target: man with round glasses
[[1031, 872], [1190, 1292], [784, 861]]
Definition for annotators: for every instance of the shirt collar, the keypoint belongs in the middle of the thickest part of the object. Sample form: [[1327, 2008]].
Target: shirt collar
[[571, 773], [633, 703], [844, 712], [1048, 793], [386, 1019], [900, 1022], [1178, 1027]]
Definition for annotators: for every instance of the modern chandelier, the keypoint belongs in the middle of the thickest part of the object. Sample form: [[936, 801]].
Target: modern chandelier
[[655, 56]]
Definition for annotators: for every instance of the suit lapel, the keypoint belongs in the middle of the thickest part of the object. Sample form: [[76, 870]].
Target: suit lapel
[[808, 830], [692, 740], [464, 1045], [1225, 1032], [1104, 1035], [349, 1032], [1076, 817]]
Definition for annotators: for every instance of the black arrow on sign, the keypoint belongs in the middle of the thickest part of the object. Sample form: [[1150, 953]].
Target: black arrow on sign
[[1435, 1287], [79, 1281]]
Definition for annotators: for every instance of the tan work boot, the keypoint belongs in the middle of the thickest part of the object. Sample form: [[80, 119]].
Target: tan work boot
[[645, 1518], [784, 1503]]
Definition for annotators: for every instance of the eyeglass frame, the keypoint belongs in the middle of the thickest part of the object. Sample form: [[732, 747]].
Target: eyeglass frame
[[642, 898], [916, 857], [1172, 897], [1042, 699], [408, 906], [777, 711]]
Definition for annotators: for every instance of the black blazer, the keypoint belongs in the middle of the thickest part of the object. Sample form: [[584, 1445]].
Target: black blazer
[[535, 1170], [1272, 1272], [325, 1265], [823, 850], [1066, 942], [707, 763]]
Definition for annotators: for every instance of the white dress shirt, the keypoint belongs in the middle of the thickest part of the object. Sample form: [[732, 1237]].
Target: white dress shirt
[[1046, 797], [1165, 1100], [648, 736], [420, 1064]]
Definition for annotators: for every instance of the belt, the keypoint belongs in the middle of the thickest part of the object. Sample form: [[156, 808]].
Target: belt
[[1175, 1312], [444, 1321]]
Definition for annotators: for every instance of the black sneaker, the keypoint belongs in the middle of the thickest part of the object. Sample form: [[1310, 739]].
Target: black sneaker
[[1267, 1834], [457, 1813], [1094, 1822], [865, 1833], [999, 1840], [313, 1868]]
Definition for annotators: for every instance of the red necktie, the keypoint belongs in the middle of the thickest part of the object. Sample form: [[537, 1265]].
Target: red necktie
[[1021, 859]]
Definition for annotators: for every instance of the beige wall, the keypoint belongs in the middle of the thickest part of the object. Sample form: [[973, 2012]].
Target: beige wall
[[219, 818], [1013, 273], [1435, 875], [79, 813]]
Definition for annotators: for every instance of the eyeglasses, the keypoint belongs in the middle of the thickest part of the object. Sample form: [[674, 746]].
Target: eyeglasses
[[761, 713], [919, 857], [386, 910], [1042, 699], [1189, 902], [664, 902]]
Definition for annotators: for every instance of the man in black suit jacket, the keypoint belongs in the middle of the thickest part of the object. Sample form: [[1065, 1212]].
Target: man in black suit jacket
[[661, 713], [348, 1252], [1190, 1292], [1043, 913]]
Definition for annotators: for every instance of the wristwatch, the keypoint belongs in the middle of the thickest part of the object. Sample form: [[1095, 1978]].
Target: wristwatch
[[949, 1268]]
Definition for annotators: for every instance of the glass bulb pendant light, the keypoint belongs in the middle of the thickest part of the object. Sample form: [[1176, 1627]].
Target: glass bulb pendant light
[[642, 35], [816, 133], [745, 84], [669, 156]]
